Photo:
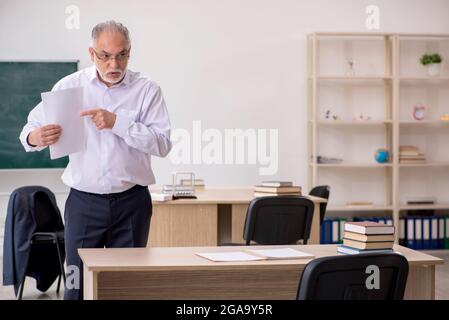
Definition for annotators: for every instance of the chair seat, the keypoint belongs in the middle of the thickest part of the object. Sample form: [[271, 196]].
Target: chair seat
[[48, 236]]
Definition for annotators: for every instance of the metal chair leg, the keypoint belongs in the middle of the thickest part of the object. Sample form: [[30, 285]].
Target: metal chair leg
[[21, 289], [22, 284], [59, 284], [61, 265]]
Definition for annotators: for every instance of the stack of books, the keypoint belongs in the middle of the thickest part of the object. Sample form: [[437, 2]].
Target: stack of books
[[328, 160], [367, 237], [360, 204], [420, 200], [161, 197], [276, 188], [411, 155]]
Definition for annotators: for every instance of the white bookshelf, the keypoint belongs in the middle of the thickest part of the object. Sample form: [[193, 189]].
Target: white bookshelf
[[385, 83]]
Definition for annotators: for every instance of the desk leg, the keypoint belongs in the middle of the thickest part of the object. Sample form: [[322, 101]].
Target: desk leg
[[420, 283], [238, 222], [183, 225], [90, 283], [315, 230]]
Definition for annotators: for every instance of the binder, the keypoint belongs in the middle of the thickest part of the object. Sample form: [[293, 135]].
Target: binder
[[335, 231], [418, 232], [446, 233], [323, 232], [425, 233], [441, 221], [341, 230], [410, 242], [402, 231], [327, 223], [434, 232]]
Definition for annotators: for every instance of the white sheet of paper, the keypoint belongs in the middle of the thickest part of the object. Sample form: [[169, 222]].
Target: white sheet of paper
[[63, 107], [281, 253], [229, 256]]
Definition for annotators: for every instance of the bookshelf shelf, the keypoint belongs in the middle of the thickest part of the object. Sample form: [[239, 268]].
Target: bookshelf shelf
[[352, 122], [359, 208], [361, 35], [350, 78], [377, 75], [424, 79], [438, 206], [424, 123], [425, 165], [354, 165], [423, 37]]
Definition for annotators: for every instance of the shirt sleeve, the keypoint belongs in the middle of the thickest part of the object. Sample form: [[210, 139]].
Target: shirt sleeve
[[151, 133], [35, 120]]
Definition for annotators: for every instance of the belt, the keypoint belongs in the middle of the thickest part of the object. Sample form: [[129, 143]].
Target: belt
[[137, 187]]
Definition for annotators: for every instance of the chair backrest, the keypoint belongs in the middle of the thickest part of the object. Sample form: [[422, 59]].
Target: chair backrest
[[46, 214], [278, 220], [354, 278], [322, 192]]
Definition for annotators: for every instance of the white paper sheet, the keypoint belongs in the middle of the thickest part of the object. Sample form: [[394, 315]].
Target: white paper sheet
[[281, 253], [229, 256], [63, 107]]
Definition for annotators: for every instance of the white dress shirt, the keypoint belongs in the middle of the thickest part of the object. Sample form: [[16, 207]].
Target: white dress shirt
[[116, 159]]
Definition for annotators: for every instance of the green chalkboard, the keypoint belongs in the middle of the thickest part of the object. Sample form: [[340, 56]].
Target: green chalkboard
[[21, 84]]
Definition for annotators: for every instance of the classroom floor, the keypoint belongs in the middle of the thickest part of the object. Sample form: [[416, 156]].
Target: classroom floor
[[30, 291]]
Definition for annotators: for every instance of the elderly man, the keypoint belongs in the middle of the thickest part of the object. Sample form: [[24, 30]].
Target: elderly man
[[109, 204]]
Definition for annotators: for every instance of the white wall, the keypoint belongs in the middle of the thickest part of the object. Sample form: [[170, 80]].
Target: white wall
[[230, 64]]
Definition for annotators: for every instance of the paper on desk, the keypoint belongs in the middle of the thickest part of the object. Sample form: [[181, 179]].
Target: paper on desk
[[229, 256], [281, 253], [63, 107]]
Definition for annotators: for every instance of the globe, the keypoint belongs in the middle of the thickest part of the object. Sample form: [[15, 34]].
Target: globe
[[382, 155]]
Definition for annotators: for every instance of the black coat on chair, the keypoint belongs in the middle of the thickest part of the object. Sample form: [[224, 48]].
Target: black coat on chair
[[21, 223]]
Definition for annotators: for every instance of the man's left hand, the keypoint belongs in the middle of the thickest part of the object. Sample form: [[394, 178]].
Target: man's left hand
[[103, 119]]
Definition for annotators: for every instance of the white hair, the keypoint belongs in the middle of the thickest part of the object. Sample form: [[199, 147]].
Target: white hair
[[112, 26]]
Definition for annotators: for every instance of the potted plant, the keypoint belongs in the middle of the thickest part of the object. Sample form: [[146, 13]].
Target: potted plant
[[433, 62]]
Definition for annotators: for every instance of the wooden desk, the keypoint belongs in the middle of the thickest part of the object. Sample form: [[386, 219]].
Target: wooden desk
[[177, 273], [217, 216]]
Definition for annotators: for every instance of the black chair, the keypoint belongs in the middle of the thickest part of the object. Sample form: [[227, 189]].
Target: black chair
[[345, 277], [49, 231], [322, 192], [278, 220]]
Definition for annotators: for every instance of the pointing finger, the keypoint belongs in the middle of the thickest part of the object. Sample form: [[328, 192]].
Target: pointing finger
[[90, 112]]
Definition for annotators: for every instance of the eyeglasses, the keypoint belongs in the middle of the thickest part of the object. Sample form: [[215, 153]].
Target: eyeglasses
[[106, 56]]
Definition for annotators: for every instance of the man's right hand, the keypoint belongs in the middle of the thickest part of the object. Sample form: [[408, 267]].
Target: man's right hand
[[44, 136]]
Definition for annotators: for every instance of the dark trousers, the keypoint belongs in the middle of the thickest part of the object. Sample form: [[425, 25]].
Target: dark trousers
[[116, 220]]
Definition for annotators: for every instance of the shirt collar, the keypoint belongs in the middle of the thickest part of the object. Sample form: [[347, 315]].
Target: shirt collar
[[94, 77]]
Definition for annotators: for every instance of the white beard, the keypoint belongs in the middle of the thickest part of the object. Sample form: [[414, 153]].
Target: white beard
[[111, 80]]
